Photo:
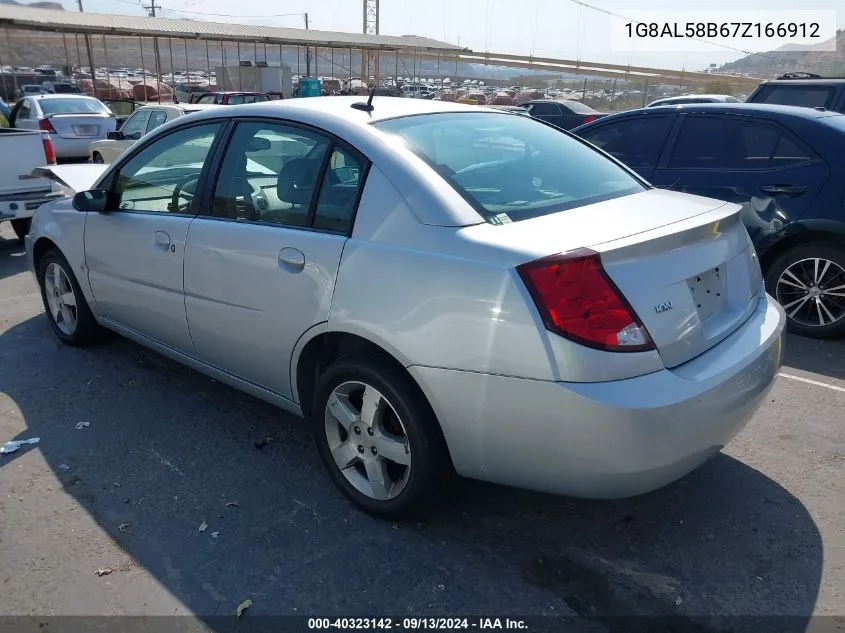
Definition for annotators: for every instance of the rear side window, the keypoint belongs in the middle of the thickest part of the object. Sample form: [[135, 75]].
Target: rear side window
[[157, 117], [206, 99], [511, 168], [635, 141], [544, 109], [711, 142], [797, 95]]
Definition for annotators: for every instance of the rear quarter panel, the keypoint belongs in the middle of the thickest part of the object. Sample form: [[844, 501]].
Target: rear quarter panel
[[429, 299]]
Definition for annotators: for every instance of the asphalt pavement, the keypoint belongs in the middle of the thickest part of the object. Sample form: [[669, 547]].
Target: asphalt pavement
[[199, 497]]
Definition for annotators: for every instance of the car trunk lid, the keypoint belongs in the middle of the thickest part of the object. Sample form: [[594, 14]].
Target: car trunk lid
[[684, 263], [82, 125]]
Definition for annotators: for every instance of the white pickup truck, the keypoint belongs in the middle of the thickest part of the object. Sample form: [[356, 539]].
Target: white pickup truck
[[22, 192]]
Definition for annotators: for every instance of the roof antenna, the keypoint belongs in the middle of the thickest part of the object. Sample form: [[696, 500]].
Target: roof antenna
[[366, 107]]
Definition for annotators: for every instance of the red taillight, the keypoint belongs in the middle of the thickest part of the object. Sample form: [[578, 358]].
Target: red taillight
[[45, 126], [577, 300], [49, 152], [589, 119]]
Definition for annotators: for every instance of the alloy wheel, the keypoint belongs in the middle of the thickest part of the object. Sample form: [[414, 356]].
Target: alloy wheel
[[812, 292], [367, 440], [60, 298]]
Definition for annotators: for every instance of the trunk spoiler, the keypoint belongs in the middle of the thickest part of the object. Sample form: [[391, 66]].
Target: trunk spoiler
[[76, 178]]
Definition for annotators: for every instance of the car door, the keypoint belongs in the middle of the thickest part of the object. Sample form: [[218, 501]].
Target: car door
[[636, 141], [130, 132], [260, 267], [134, 252], [751, 161]]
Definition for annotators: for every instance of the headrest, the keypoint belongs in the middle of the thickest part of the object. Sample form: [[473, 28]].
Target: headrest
[[296, 181]]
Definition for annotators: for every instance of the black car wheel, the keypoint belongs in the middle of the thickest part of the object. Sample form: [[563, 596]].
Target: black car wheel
[[809, 282]]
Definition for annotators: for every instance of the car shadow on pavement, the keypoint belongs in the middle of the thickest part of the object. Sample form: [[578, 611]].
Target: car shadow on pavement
[[12, 254], [824, 357], [167, 450]]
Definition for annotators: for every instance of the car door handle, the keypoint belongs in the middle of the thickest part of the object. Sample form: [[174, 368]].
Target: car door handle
[[784, 190], [162, 239], [292, 259]]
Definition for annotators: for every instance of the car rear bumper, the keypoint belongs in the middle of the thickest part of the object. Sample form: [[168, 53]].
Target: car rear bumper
[[24, 205], [607, 439], [73, 147]]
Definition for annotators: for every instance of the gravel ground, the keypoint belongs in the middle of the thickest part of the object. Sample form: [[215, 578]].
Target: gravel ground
[[758, 531]]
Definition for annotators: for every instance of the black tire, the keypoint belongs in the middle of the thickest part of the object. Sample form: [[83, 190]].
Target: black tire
[[21, 227], [87, 330], [785, 294], [98, 158], [430, 464]]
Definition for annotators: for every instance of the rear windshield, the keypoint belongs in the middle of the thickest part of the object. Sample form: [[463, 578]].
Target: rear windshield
[[511, 168], [577, 107], [72, 106], [797, 95]]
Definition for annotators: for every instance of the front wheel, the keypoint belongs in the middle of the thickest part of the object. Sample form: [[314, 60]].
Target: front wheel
[[809, 282], [66, 307], [21, 227], [378, 437], [98, 158]]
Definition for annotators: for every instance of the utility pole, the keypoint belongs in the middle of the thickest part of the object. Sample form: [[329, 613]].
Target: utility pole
[[370, 62], [152, 10], [307, 52], [90, 56]]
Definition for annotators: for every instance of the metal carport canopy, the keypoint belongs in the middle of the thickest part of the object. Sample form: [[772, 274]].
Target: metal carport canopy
[[32, 19]]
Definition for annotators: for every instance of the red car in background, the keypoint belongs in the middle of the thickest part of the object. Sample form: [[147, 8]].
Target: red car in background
[[235, 98]]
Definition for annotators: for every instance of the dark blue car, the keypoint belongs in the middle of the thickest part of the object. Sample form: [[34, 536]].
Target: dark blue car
[[785, 165]]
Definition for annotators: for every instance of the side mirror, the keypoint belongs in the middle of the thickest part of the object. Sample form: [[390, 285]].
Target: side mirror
[[117, 135], [93, 200]]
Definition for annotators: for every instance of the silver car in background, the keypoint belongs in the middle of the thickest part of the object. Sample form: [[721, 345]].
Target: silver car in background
[[72, 121], [435, 286]]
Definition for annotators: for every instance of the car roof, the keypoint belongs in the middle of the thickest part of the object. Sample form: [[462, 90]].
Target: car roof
[[64, 96], [187, 107], [806, 81], [769, 109], [707, 96], [341, 108]]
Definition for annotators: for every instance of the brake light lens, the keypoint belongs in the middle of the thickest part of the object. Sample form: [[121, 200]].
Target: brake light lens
[[46, 126], [578, 301], [589, 119], [49, 151]]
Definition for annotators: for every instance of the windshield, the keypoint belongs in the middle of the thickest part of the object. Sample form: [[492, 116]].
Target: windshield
[[511, 168], [73, 106]]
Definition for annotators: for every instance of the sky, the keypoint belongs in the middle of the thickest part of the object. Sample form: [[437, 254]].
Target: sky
[[547, 28]]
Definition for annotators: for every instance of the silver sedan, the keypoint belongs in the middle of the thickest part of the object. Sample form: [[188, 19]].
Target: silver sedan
[[72, 121], [436, 287]]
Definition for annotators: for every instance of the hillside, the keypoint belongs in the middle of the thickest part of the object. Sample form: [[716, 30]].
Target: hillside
[[37, 5], [774, 63]]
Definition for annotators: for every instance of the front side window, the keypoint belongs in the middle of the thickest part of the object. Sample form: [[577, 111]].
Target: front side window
[[511, 168], [135, 125], [634, 141], [163, 176]]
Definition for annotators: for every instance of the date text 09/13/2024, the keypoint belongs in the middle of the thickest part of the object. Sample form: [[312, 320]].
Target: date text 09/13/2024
[[416, 624]]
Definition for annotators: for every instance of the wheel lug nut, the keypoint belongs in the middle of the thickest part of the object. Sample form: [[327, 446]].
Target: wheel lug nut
[[374, 451], [370, 432], [360, 448], [357, 430]]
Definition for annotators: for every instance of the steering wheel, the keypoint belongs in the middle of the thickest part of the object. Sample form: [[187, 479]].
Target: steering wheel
[[183, 195]]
